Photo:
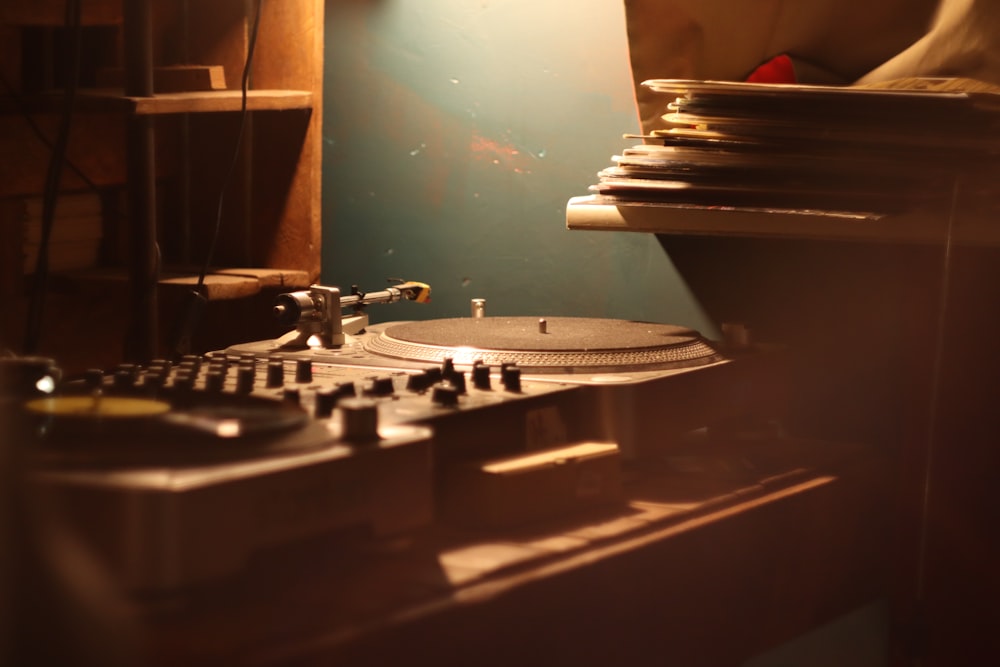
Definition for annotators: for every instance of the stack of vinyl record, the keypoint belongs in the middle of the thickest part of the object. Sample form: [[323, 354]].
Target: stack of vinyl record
[[805, 147]]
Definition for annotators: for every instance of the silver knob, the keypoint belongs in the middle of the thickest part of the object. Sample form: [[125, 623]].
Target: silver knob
[[479, 308]]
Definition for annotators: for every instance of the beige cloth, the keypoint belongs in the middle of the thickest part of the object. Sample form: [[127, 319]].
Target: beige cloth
[[860, 40], [963, 41]]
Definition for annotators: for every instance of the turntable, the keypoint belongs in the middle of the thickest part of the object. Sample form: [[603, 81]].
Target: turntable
[[493, 385], [174, 481], [178, 472]]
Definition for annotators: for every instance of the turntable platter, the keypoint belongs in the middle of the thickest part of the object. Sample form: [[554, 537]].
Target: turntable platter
[[546, 345]]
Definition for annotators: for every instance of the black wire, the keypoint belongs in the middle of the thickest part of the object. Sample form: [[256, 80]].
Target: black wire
[[244, 87], [29, 119], [36, 306], [188, 322]]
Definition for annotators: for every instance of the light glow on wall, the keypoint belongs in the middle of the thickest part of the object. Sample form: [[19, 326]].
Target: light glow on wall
[[454, 134]]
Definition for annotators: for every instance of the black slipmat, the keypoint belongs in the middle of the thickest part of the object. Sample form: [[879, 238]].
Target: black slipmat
[[566, 344]]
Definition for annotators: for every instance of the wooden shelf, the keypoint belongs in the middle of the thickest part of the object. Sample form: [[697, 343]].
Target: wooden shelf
[[220, 285], [164, 103], [170, 146], [197, 102], [925, 225]]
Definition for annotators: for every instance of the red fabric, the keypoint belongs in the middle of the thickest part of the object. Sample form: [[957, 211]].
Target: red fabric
[[779, 69]]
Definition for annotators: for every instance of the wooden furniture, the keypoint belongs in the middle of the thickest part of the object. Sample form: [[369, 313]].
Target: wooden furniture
[[158, 162], [718, 551], [887, 319], [891, 344]]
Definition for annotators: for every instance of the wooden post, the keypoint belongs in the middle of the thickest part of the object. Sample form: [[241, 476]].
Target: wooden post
[[141, 340]]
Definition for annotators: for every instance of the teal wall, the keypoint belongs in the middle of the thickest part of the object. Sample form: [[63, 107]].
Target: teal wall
[[454, 133]]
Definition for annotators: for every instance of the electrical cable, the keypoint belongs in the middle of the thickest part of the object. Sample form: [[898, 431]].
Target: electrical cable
[[57, 161], [37, 131], [937, 371], [188, 323]]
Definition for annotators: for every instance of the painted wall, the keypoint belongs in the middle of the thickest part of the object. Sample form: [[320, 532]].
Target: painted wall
[[454, 133]]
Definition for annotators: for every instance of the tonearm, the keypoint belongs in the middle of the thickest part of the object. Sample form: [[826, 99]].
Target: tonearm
[[316, 313]]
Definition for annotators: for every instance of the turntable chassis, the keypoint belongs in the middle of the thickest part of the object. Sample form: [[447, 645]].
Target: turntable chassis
[[639, 407], [160, 528]]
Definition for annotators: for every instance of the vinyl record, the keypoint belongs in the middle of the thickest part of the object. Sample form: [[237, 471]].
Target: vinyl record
[[133, 428]]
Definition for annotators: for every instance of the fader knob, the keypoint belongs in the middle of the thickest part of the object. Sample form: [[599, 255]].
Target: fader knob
[[184, 379], [123, 379], [291, 395], [421, 381], [217, 367], [510, 377], [481, 376], [245, 376], [214, 380], [303, 371], [219, 361], [160, 367], [380, 387], [450, 374], [323, 403], [346, 390], [126, 375], [155, 378], [457, 380], [191, 361], [358, 420], [93, 378], [445, 395], [275, 373]]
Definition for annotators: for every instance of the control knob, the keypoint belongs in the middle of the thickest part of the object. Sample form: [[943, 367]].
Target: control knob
[[510, 377], [445, 395], [245, 377], [303, 371], [481, 375], [275, 373], [381, 386], [359, 420]]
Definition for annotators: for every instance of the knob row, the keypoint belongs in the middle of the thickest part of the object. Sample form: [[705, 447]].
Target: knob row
[[446, 382]]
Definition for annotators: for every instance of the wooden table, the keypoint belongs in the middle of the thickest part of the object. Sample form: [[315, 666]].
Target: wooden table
[[718, 552]]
